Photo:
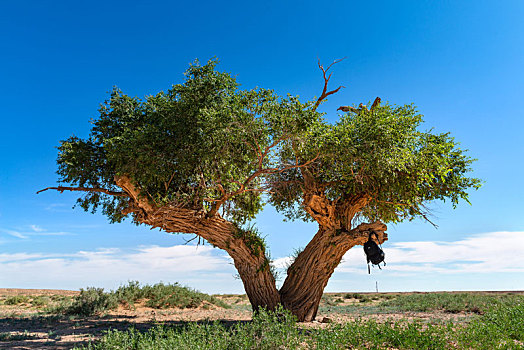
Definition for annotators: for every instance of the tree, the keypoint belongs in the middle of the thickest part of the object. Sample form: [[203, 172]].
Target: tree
[[203, 157]]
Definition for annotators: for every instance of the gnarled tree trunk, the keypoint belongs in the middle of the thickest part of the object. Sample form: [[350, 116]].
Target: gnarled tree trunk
[[309, 274]]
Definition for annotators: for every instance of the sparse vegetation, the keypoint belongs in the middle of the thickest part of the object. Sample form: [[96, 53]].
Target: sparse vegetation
[[40, 301], [450, 302], [161, 296], [6, 336], [502, 328]]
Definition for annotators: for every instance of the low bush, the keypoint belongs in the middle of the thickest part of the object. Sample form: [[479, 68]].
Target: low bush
[[93, 301], [40, 301], [17, 299]]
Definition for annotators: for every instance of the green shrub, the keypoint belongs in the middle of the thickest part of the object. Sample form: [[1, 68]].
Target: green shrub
[[163, 295], [353, 296], [268, 330], [40, 301], [502, 327], [17, 299], [91, 301]]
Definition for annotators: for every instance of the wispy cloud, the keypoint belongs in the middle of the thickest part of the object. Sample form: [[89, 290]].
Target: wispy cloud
[[211, 270], [32, 230], [14, 233]]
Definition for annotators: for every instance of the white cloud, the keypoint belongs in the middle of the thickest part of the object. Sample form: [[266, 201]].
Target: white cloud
[[483, 253], [211, 270], [282, 263], [201, 267]]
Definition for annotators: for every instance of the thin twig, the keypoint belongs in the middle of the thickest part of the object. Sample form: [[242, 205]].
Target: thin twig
[[189, 240]]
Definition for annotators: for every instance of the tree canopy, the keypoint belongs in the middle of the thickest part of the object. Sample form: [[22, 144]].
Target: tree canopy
[[206, 144]]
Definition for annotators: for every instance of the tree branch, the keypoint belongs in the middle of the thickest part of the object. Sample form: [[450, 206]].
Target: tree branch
[[360, 107], [61, 189], [375, 104], [326, 93], [243, 187]]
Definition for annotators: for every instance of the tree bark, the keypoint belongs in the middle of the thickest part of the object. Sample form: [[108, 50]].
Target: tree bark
[[311, 270], [250, 261]]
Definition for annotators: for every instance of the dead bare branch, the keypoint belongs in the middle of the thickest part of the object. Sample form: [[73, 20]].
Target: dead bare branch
[[325, 92], [61, 189], [375, 104], [360, 107], [192, 239]]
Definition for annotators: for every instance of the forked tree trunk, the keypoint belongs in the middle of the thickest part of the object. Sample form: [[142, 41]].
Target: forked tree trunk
[[307, 276]]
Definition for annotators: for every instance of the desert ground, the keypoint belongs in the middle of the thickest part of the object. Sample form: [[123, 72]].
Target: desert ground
[[29, 318]]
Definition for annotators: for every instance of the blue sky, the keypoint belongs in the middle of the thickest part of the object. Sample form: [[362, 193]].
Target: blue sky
[[461, 63]]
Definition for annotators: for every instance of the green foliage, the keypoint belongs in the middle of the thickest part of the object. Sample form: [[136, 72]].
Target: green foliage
[[40, 301], [381, 154], [500, 328], [201, 139], [161, 296], [267, 331], [183, 146], [91, 301], [251, 236], [374, 335]]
